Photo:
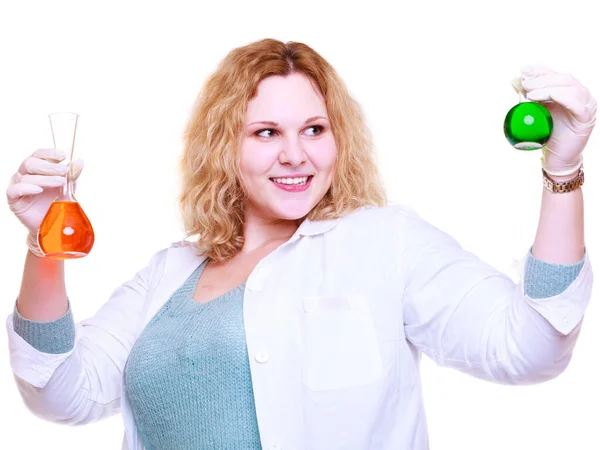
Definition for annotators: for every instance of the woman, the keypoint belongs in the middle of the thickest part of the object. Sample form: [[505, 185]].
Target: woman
[[296, 316]]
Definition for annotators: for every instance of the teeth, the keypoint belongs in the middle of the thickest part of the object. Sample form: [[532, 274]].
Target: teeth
[[299, 180]]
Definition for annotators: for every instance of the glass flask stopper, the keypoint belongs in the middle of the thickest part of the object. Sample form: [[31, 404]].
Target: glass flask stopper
[[528, 125], [65, 231]]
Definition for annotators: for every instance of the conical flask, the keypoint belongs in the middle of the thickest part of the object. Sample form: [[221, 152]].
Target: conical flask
[[65, 231]]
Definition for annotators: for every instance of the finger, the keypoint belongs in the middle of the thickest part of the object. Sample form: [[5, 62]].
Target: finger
[[552, 80], [535, 70], [77, 167], [37, 166], [45, 181], [517, 86], [20, 189], [567, 97], [50, 154]]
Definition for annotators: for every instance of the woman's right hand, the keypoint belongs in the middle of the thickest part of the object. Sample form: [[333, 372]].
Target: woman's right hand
[[37, 183]]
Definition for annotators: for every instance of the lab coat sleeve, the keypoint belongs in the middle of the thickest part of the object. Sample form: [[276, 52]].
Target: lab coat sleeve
[[84, 384], [465, 314]]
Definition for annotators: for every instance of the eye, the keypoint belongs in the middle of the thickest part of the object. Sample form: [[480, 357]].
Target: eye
[[319, 128], [259, 132]]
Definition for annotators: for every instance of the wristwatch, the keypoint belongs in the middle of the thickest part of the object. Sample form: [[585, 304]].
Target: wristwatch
[[563, 186]]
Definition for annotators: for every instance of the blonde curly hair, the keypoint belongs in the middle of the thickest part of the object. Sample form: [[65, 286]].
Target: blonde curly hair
[[212, 200]]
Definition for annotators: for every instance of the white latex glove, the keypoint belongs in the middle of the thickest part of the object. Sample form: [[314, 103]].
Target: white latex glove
[[33, 188], [573, 111]]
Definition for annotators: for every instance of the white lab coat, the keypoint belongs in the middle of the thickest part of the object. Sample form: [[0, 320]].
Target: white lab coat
[[335, 320]]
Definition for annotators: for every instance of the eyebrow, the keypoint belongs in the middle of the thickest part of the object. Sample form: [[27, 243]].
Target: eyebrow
[[275, 124]]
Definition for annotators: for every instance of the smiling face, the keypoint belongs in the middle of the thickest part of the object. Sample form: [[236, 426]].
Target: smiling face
[[288, 149]]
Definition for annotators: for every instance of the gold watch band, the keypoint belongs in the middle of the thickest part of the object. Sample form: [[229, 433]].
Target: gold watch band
[[563, 186]]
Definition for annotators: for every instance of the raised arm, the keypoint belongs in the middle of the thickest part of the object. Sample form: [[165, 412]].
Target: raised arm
[[464, 313]]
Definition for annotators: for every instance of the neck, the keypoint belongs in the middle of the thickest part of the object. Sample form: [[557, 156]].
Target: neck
[[260, 233]]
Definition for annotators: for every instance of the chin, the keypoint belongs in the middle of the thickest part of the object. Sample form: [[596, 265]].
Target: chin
[[291, 210], [291, 213]]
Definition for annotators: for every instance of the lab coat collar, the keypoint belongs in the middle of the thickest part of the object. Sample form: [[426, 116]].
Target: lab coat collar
[[307, 228], [311, 228]]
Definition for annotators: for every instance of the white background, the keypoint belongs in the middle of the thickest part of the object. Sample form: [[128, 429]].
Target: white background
[[434, 81]]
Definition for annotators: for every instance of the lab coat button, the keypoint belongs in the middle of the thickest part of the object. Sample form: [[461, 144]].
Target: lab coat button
[[275, 447], [262, 356]]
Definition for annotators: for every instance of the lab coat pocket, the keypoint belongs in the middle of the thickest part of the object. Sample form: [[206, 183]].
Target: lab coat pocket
[[341, 349]]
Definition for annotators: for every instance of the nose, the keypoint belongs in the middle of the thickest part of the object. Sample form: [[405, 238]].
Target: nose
[[292, 152]]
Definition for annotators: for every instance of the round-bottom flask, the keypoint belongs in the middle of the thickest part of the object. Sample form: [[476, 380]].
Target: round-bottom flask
[[528, 126]]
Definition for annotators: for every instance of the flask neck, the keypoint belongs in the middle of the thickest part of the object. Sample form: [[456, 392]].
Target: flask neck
[[68, 191], [64, 129]]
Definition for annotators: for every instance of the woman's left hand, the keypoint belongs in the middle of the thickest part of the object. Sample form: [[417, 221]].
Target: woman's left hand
[[573, 111]]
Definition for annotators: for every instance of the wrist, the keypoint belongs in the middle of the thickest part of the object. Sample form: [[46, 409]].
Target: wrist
[[562, 178], [563, 183]]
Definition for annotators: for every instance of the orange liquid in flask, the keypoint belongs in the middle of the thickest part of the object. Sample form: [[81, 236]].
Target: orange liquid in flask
[[66, 232]]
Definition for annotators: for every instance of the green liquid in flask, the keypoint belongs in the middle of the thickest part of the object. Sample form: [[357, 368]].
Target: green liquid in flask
[[528, 126]]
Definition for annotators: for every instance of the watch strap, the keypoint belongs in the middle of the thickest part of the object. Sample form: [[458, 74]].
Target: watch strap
[[561, 187]]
